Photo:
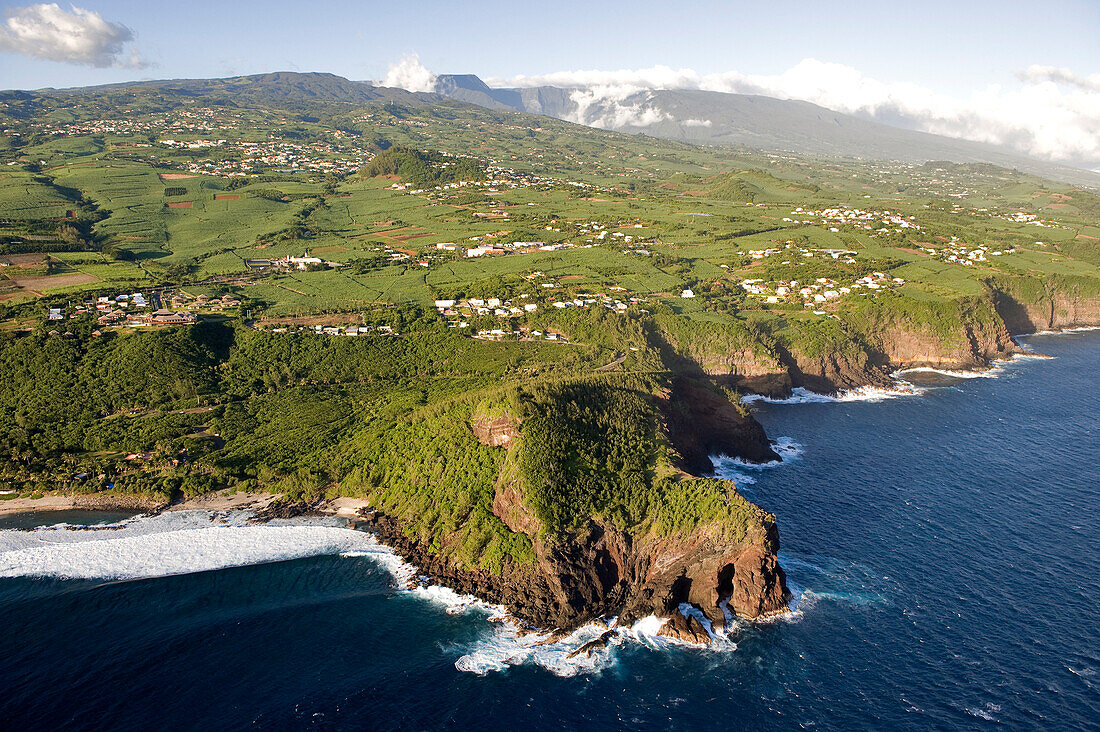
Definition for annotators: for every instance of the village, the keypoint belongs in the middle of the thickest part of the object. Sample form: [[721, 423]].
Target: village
[[136, 310], [880, 222], [190, 129]]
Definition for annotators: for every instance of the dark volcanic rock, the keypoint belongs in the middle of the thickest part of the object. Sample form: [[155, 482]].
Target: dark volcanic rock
[[285, 510], [685, 628], [703, 422], [602, 571], [592, 645]]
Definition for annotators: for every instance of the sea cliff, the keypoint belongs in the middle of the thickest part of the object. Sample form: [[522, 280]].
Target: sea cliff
[[608, 537]]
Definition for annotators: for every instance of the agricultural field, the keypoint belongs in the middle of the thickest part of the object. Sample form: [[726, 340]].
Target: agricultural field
[[545, 215]]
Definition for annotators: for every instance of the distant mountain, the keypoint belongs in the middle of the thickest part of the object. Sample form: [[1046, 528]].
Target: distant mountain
[[700, 117], [717, 118], [285, 88]]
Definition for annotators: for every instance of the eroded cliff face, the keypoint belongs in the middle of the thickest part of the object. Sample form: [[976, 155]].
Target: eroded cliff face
[[868, 358], [703, 422], [602, 571], [1029, 308]]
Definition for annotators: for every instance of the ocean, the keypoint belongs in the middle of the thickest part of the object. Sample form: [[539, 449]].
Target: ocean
[[943, 547]]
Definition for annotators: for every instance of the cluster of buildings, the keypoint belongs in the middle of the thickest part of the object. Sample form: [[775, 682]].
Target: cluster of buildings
[[190, 129], [822, 290], [881, 222], [515, 247], [461, 310], [135, 310], [499, 334], [184, 301], [966, 254], [336, 330], [469, 307], [789, 248], [303, 262], [254, 158], [197, 121]]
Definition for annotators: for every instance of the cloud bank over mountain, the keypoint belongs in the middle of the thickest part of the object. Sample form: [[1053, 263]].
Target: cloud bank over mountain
[[410, 74], [1052, 114], [75, 36]]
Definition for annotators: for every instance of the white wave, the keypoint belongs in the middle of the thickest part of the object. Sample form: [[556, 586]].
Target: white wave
[[194, 541], [739, 470], [970, 374], [504, 648], [878, 394], [801, 395], [170, 544], [986, 712]]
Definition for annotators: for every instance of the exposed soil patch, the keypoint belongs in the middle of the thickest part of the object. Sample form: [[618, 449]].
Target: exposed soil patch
[[227, 197], [38, 284], [181, 204], [176, 176], [24, 261]]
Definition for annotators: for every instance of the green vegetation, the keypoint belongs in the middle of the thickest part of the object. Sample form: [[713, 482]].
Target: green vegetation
[[422, 168], [603, 266]]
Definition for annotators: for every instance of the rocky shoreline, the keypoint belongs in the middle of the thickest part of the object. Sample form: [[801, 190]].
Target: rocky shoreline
[[601, 572]]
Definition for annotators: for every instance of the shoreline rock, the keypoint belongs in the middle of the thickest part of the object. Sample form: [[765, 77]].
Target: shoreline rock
[[685, 628]]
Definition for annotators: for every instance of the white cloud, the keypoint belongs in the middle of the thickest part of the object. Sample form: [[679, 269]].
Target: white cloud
[[74, 36], [605, 107], [697, 123], [1035, 74], [1052, 113], [410, 74]]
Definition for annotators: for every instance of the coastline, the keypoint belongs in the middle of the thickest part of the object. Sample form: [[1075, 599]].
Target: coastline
[[871, 389], [267, 506], [223, 500]]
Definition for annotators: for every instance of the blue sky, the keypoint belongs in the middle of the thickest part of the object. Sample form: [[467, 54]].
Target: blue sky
[[947, 46], [1020, 73]]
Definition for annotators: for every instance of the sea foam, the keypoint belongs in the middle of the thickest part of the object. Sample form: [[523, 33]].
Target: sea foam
[[742, 472], [170, 544], [801, 395]]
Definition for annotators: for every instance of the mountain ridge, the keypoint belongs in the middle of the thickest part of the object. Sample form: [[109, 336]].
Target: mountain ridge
[[691, 116]]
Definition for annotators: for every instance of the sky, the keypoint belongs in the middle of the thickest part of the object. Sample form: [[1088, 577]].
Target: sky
[[1023, 74]]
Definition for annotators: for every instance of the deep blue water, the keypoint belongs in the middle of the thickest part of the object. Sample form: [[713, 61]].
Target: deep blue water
[[947, 548]]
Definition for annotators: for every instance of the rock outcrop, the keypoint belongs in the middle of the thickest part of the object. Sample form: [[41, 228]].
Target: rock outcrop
[[593, 645], [685, 628], [602, 571], [703, 422], [494, 431], [1027, 306]]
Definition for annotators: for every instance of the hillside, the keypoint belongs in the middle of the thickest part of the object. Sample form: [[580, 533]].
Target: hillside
[[521, 339], [717, 118]]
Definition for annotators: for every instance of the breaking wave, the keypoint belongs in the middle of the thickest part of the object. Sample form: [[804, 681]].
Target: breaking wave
[[741, 472], [801, 395], [171, 544]]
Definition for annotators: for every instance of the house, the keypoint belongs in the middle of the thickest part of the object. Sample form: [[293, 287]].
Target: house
[[167, 317], [303, 262], [687, 294]]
